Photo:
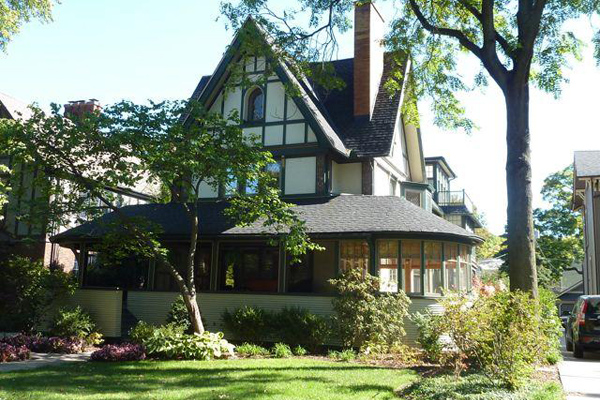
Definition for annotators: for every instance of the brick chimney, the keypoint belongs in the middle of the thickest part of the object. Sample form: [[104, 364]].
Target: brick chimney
[[368, 57], [79, 108]]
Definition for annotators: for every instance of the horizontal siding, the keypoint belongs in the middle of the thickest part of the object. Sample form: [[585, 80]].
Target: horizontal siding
[[104, 307], [151, 307], [419, 305]]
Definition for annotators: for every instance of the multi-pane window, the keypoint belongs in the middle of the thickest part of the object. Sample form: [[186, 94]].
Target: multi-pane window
[[387, 253], [256, 105], [429, 171], [433, 268], [451, 260], [248, 267], [411, 263], [465, 276], [354, 254]]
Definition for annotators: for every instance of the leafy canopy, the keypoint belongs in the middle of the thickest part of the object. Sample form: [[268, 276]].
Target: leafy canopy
[[14, 13]]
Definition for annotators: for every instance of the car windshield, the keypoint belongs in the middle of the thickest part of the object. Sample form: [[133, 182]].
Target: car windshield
[[594, 305]]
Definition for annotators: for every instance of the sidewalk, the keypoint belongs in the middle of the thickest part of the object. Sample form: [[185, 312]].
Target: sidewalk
[[580, 377], [43, 360]]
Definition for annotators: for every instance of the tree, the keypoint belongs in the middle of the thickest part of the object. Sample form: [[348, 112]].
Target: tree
[[14, 13], [560, 241], [490, 247], [517, 43], [177, 144]]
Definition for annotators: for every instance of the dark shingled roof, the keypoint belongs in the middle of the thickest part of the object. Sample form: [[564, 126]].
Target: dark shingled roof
[[587, 163], [366, 138], [347, 214]]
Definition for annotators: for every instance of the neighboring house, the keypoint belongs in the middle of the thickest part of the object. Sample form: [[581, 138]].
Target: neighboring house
[[17, 236], [571, 287], [586, 198], [348, 161]]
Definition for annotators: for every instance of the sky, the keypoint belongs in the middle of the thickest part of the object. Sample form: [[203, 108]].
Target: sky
[[155, 49]]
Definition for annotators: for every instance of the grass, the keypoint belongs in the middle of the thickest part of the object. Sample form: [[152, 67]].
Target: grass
[[224, 379]]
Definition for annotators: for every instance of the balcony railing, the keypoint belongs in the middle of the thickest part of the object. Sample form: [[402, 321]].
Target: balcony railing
[[456, 198]]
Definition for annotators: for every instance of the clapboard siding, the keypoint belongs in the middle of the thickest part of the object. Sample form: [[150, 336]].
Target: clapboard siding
[[104, 307], [151, 307], [419, 305]]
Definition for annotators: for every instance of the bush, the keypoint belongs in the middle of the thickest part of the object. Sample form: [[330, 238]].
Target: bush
[[281, 350], [28, 291], [365, 317], [179, 315], [119, 352], [300, 351], [298, 326], [344, 355], [40, 344], [251, 350], [248, 324], [166, 344], [143, 331], [429, 336], [75, 322], [10, 353]]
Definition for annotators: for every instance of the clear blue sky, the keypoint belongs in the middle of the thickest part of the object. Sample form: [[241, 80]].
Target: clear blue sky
[[156, 49]]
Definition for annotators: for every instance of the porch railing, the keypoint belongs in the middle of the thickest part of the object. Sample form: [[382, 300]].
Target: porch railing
[[456, 198]]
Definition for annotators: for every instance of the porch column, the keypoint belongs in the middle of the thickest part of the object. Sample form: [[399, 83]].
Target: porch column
[[282, 272]]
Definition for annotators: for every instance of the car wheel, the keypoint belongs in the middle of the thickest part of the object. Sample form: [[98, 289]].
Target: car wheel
[[577, 351], [569, 345]]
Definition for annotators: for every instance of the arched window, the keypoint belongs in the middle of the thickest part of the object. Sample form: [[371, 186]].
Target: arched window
[[256, 109]]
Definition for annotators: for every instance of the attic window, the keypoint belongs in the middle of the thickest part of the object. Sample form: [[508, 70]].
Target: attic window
[[256, 105]]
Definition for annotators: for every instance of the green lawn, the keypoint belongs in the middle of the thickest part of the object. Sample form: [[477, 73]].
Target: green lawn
[[227, 379]]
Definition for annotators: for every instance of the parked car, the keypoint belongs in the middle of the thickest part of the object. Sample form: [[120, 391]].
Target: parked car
[[583, 326]]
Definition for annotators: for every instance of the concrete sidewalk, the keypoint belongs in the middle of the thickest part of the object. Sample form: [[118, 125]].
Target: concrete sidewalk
[[43, 360], [581, 377]]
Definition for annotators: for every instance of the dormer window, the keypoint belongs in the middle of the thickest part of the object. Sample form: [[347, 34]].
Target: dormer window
[[256, 105]]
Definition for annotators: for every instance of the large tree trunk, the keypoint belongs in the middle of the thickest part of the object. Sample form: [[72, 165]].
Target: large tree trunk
[[521, 239], [194, 312]]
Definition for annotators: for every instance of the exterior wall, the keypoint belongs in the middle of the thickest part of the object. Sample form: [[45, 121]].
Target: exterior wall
[[590, 270], [104, 306], [415, 156], [300, 175], [346, 178], [419, 304], [381, 182]]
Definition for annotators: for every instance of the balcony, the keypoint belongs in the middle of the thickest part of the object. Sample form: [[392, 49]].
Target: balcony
[[455, 199]]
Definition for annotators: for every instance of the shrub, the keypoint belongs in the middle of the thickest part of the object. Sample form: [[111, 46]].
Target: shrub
[[75, 322], [344, 355], [40, 344], [119, 352], [28, 291], [251, 350], [429, 334], [9, 353], [143, 331], [166, 344], [364, 316], [248, 324], [298, 326], [300, 351], [282, 350], [179, 315]]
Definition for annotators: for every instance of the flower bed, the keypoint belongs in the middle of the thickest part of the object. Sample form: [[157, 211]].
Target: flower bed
[[41, 344], [121, 352], [9, 353]]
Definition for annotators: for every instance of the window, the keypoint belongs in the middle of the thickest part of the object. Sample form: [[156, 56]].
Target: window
[[451, 260], [231, 186], [256, 104], [455, 219], [433, 268], [429, 171], [465, 258], [354, 254], [300, 275], [413, 196], [387, 263], [411, 264], [164, 281], [274, 170], [248, 267], [128, 273]]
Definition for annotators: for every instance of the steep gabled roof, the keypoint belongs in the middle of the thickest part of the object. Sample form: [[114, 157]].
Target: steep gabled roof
[[346, 214], [15, 108], [333, 111], [587, 164]]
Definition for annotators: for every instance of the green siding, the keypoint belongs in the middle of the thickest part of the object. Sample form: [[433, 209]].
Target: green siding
[[104, 306]]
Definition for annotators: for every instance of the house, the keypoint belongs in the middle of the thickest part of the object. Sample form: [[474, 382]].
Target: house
[[586, 198], [18, 236], [352, 166], [570, 288]]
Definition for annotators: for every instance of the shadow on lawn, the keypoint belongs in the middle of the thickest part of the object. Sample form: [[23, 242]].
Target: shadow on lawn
[[135, 378]]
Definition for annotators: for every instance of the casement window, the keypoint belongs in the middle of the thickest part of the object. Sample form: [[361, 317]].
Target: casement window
[[433, 268], [387, 263], [451, 261], [255, 105], [411, 263], [248, 267], [465, 261], [354, 254]]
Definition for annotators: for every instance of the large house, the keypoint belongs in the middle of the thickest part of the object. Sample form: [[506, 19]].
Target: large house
[[355, 171], [586, 198]]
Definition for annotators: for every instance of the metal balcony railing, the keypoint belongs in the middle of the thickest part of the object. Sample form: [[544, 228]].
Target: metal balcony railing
[[456, 198]]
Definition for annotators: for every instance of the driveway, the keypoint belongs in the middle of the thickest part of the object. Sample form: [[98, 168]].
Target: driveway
[[581, 377]]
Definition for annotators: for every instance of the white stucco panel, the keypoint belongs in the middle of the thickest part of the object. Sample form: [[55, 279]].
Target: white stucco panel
[[294, 134], [275, 102], [381, 181], [300, 175], [292, 110], [346, 178]]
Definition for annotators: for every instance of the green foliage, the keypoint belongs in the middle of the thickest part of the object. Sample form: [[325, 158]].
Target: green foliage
[[430, 332], [477, 387], [343, 355], [248, 323], [179, 315], [299, 351], [143, 331], [75, 322], [491, 246], [28, 292], [282, 350], [13, 14], [505, 334], [365, 317], [251, 350]]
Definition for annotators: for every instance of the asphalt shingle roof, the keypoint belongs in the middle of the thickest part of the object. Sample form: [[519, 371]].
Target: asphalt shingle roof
[[587, 163], [346, 214]]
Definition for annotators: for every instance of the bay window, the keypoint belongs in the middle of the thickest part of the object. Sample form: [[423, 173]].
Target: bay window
[[354, 254], [465, 276], [411, 263], [387, 263], [433, 268], [451, 260]]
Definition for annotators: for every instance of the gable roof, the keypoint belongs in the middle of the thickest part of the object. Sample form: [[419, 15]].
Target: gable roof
[[333, 111], [15, 108], [443, 163], [587, 164], [347, 214]]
